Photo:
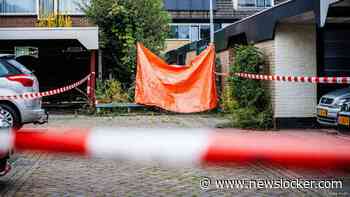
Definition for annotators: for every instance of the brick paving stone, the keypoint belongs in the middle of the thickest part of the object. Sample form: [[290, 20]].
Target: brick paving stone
[[39, 174]]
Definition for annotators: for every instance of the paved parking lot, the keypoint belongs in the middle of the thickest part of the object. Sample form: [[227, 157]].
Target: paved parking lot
[[40, 174]]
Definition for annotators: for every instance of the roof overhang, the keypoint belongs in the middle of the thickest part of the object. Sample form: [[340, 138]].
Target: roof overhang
[[261, 26], [87, 36]]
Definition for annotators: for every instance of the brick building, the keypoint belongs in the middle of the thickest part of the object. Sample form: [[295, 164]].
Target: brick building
[[58, 56], [190, 21], [190, 28], [299, 38]]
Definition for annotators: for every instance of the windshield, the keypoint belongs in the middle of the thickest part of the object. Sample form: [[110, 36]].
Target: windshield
[[19, 66]]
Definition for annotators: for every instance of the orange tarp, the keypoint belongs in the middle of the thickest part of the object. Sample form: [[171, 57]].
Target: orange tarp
[[184, 89]]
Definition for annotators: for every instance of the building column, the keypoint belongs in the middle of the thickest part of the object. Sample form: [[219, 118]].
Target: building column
[[92, 81]]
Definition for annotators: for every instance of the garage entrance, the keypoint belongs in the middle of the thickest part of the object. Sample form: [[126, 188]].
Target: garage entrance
[[58, 63], [335, 55], [61, 56]]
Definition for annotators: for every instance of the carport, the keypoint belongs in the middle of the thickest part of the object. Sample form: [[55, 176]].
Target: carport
[[65, 55]]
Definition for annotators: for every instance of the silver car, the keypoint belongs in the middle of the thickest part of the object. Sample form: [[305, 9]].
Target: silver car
[[344, 117], [16, 79], [330, 105]]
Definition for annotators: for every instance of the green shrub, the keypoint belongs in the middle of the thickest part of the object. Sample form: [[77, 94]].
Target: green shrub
[[228, 103], [123, 23], [110, 91], [246, 100]]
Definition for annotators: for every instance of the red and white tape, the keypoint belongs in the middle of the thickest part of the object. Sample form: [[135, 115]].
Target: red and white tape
[[185, 146], [29, 96], [329, 80], [303, 79]]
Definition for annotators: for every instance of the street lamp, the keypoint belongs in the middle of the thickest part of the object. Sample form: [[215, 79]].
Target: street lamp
[[211, 22]]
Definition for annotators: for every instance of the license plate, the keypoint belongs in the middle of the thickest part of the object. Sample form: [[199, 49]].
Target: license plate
[[344, 120], [323, 112]]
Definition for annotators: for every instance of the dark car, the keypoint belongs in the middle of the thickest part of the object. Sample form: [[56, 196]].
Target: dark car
[[344, 117]]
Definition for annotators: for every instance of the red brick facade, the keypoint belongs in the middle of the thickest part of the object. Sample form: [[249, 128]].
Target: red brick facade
[[30, 21]]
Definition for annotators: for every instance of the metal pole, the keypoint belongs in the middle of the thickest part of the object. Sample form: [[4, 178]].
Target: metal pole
[[211, 22]]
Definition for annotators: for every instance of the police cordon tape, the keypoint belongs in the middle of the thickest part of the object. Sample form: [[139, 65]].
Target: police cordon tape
[[303, 79], [29, 96], [185, 147]]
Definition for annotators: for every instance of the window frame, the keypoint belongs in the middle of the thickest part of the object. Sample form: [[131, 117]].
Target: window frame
[[36, 11], [238, 7], [181, 24], [54, 9], [191, 25], [57, 10]]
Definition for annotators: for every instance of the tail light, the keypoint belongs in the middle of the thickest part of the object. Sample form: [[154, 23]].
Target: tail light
[[25, 80]]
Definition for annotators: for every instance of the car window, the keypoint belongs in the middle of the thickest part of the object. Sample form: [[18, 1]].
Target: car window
[[11, 70], [3, 70], [19, 66]]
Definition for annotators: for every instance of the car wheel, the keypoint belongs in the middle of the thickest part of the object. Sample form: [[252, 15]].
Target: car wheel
[[10, 117]]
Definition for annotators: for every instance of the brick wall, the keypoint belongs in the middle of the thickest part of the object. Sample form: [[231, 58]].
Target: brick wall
[[292, 52], [30, 21], [80, 21], [268, 48], [226, 59], [17, 21], [295, 54]]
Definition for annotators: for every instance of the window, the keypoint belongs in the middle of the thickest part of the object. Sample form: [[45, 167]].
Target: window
[[194, 5], [3, 70], [7, 69], [17, 6], [205, 32], [46, 7], [19, 66], [71, 6], [254, 3], [179, 32], [192, 32], [183, 32]]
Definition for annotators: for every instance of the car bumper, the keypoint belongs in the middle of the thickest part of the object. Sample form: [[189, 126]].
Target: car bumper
[[332, 116]]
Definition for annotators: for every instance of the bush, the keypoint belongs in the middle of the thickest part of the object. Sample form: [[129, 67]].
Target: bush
[[110, 91], [229, 104], [250, 118], [122, 24], [247, 101]]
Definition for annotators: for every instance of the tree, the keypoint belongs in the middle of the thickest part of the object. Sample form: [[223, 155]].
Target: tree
[[122, 24]]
